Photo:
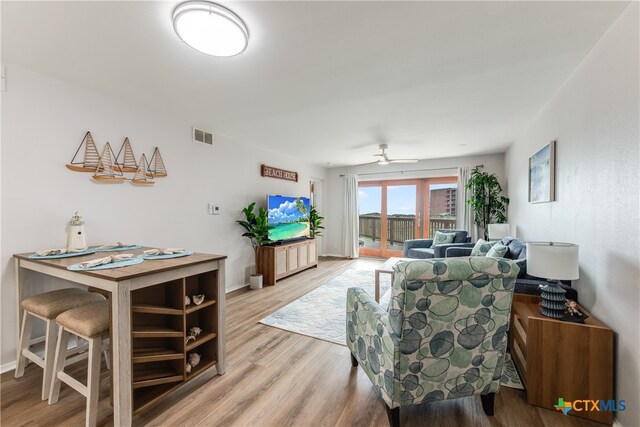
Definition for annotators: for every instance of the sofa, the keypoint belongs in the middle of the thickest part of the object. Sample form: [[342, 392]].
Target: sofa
[[444, 335], [517, 251], [425, 249]]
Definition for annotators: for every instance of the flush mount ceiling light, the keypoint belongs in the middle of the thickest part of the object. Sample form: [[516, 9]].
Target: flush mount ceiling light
[[210, 28]]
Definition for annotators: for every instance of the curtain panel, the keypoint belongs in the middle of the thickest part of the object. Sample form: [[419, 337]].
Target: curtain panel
[[350, 216], [464, 217]]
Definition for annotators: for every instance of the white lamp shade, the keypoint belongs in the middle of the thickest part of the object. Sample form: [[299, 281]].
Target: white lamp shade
[[552, 260], [498, 231]]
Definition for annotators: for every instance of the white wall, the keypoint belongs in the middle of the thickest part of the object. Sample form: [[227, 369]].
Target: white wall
[[595, 119], [493, 163], [43, 122]]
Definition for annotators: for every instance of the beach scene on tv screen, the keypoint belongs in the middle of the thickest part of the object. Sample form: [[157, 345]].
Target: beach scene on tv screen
[[289, 216]]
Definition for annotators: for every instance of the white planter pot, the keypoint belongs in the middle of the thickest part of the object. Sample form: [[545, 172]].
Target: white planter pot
[[255, 282]]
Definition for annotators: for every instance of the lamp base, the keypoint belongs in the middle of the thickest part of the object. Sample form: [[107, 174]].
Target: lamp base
[[553, 301]]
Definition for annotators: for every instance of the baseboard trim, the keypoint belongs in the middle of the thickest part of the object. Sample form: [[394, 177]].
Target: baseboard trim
[[8, 367], [616, 423], [236, 287]]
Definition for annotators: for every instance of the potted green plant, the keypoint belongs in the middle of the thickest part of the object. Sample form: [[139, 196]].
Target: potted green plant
[[257, 231], [488, 205], [315, 222]]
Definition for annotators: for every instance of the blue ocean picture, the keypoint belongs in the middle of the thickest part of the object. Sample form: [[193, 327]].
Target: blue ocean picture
[[289, 216]]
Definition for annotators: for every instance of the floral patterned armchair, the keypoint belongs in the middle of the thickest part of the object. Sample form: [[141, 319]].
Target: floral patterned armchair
[[444, 335]]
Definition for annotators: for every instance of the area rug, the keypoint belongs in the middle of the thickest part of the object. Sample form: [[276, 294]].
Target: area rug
[[321, 313]]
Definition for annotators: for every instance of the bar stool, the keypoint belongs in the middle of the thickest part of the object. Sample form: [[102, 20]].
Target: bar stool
[[90, 322], [47, 306]]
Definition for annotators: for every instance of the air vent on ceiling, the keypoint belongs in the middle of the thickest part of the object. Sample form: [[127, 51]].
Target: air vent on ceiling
[[203, 136]]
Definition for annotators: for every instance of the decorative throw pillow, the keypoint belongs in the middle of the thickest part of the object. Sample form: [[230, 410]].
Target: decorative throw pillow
[[441, 238], [497, 251], [482, 247]]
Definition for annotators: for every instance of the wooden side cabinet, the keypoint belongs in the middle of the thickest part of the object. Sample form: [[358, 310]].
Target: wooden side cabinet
[[557, 359], [278, 262]]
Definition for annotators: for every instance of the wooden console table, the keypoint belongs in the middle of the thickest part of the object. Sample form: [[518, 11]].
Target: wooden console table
[[557, 359], [149, 320], [278, 262]]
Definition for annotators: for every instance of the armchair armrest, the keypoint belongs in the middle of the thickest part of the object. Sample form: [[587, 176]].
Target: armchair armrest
[[457, 251], [416, 243], [373, 343], [439, 251]]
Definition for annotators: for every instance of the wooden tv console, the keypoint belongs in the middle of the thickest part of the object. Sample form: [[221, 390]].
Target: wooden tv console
[[278, 262]]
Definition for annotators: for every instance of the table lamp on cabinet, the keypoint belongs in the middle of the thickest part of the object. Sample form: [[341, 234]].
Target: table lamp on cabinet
[[554, 261]]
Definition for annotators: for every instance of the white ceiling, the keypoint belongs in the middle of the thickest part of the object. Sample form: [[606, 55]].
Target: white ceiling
[[325, 81]]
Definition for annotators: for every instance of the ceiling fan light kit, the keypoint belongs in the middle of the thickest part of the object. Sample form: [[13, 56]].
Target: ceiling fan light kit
[[384, 158], [210, 28]]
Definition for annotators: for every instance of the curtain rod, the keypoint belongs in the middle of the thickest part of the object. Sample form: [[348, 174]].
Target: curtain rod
[[411, 170]]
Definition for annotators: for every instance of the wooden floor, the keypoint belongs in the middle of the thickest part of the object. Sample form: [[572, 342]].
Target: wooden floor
[[274, 378]]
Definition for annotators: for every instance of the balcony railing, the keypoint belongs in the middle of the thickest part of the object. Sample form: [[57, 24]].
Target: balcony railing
[[400, 229]]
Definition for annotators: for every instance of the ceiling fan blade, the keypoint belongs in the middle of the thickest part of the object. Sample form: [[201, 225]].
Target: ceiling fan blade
[[368, 163], [403, 160]]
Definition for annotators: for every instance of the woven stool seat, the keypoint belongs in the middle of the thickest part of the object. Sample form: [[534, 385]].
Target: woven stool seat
[[51, 304], [88, 320]]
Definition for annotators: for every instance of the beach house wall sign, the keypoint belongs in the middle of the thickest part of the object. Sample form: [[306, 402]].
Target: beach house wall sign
[[272, 172]]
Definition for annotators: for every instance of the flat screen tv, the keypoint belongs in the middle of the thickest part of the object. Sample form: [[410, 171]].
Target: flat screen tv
[[289, 217]]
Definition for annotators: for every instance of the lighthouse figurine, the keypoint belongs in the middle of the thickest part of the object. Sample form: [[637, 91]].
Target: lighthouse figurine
[[76, 240]]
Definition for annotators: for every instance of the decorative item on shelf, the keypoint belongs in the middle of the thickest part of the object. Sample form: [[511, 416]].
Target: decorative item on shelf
[[553, 261], [104, 171], [129, 160], [194, 359], [198, 299], [76, 240], [257, 231], [187, 300], [487, 204], [141, 177], [572, 314], [156, 167], [91, 156], [572, 308], [187, 369], [498, 231], [194, 333], [315, 223]]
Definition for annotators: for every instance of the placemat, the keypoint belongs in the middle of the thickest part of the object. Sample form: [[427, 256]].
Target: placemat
[[121, 248], [167, 256], [65, 255], [117, 264]]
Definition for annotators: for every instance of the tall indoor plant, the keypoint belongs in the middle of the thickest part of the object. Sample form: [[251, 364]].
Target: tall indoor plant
[[315, 222], [488, 205], [257, 231]]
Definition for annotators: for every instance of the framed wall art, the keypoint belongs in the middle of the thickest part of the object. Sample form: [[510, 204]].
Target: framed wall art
[[542, 172]]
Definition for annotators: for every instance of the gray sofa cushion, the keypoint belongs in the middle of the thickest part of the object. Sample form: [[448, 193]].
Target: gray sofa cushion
[[420, 253]]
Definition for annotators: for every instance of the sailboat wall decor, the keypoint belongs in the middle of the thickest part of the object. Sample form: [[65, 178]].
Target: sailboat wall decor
[[141, 177], [129, 159], [91, 156], [156, 167], [109, 167], [104, 171]]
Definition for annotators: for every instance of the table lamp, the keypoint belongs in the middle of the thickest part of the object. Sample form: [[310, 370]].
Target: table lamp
[[553, 261], [498, 231]]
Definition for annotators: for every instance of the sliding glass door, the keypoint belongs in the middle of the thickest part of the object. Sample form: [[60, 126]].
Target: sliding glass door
[[393, 211]]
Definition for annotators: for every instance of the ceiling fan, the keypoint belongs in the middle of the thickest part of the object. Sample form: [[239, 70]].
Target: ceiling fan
[[383, 159]]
